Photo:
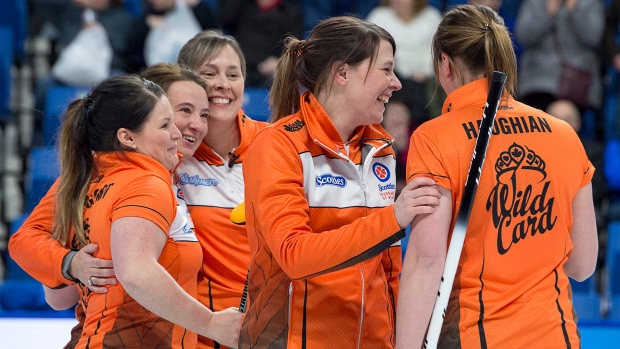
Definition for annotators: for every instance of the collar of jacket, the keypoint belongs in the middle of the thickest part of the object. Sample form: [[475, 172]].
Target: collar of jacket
[[322, 129], [475, 92], [117, 161], [247, 129]]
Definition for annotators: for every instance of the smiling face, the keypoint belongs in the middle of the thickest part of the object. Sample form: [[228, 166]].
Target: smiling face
[[223, 74], [191, 109], [370, 89], [158, 136]]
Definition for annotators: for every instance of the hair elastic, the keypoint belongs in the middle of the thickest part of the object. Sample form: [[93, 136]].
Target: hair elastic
[[88, 101]]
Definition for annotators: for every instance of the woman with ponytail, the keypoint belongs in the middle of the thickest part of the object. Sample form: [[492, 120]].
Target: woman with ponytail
[[118, 146], [532, 223], [323, 227]]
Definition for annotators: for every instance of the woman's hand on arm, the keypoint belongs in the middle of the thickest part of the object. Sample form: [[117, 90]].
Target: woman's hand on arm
[[418, 197], [137, 244], [582, 260], [422, 270], [84, 266]]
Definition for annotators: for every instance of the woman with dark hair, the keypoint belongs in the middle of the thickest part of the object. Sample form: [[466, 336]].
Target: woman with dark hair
[[323, 226], [532, 224], [117, 148]]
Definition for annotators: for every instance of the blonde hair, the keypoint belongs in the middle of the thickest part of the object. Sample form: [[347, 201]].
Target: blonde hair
[[477, 37]]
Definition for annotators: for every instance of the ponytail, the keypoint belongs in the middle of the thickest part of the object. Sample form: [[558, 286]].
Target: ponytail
[[477, 37], [77, 166], [91, 125], [284, 93]]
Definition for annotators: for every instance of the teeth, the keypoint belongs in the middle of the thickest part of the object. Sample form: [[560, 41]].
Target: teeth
[[188, 138], [383, 99], [220, 100]]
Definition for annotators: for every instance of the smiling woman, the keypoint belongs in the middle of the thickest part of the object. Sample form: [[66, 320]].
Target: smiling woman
[[117, 148], [323, 226], [212, 180]]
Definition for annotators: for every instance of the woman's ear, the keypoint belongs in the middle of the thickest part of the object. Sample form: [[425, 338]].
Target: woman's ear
[[340, 73], [446, 66], [125, 138]]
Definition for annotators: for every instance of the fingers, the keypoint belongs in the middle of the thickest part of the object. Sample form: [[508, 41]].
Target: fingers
[[99, 284], [418, 182], [90, 248]]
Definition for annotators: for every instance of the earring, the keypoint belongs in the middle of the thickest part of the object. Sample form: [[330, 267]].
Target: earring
[[134, 146]]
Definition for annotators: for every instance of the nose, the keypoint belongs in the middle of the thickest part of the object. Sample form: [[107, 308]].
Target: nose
[[175, 133], [196, 124], [220, 82], [395, 84]]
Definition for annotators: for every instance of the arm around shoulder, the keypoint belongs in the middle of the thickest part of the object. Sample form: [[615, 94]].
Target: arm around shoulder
[[137, 244], [61, 298]]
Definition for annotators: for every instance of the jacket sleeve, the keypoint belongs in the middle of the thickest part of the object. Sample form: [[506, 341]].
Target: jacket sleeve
[[277, 210], [33, 248]]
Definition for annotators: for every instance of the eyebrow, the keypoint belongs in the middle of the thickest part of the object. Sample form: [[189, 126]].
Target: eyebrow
[[215, 66], [184, 104]]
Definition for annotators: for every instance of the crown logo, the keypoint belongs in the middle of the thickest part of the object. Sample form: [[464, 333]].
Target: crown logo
[[518, 156]]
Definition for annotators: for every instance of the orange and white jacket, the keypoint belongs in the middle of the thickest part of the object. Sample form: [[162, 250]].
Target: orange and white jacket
[[212, 187], [323, 236]]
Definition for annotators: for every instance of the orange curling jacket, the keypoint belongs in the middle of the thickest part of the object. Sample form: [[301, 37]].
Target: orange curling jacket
[[136, 186], [212, 187], [323, 235]]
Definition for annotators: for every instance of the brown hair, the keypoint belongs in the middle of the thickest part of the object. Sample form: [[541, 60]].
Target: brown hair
[[308, 63], [205, 46], [165, 74], [477, 36], [90, 125]]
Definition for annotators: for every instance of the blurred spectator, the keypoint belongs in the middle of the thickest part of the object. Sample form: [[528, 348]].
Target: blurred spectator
[[554, 32], [612, 55], [568, 111], [260, 26], [397, 122], [62, 21], [412, 23], [317, 10], [154, 14]]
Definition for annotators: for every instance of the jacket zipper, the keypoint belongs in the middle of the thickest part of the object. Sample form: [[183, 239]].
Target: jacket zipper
[[361, 177]]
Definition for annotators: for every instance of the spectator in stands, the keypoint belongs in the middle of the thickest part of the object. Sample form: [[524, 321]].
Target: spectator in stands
[[412, 23], [188, 99], [555, 32], [259, 27], [397, 122], [212, 180], [612, 56], [154, 13], [65, 19], [318, 10]]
